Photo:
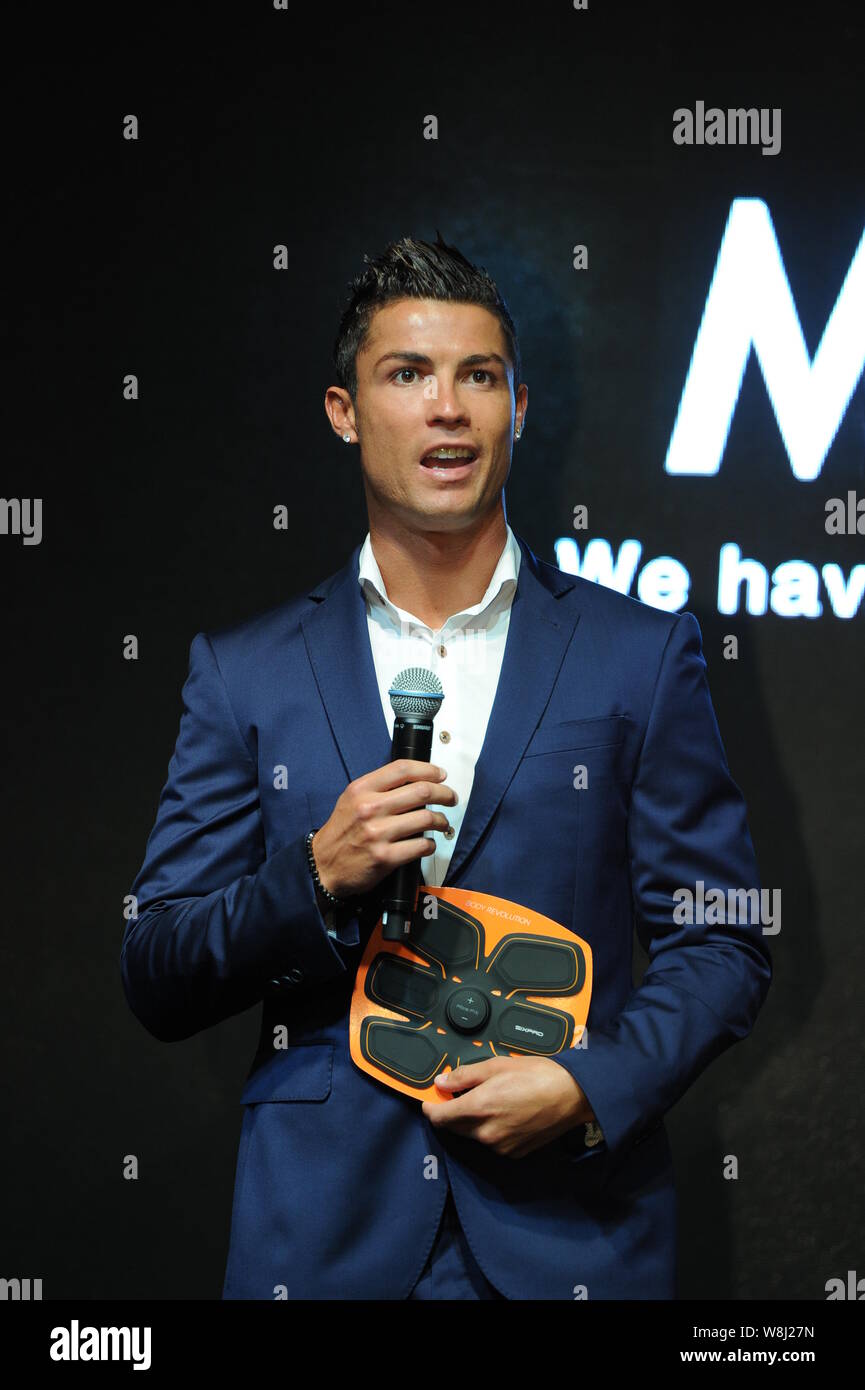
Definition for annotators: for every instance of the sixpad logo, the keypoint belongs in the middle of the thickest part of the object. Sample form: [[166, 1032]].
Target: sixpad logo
[[76, 1343]]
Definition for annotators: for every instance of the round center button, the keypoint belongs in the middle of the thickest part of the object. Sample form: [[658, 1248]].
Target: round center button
[[468, 1010]]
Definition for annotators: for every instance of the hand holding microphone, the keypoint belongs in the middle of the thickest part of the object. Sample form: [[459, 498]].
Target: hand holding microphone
[[377, 826]]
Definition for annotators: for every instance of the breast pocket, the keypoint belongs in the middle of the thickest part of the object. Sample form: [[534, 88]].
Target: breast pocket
[[571, 772], [303, 1071], [574, 735], [576, 754]]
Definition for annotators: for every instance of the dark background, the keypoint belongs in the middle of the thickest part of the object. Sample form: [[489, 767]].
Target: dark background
[[155, 257]]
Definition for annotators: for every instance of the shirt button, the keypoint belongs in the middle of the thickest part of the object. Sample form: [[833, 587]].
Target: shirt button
[[445, 736], [443, 651], [449, 833]]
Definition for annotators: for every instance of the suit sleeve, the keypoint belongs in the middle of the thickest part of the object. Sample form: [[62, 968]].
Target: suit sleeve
[[217, 921], [705, 982]]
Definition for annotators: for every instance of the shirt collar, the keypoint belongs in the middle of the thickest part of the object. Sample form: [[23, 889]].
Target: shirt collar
[[503, 581]]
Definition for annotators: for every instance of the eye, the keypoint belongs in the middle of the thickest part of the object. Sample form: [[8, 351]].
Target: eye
[[412, 371]]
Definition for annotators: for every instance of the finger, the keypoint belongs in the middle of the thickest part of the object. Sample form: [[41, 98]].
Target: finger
[[404, 851], [460, 1110], [401, 770], [424, 791], [466, 1077], [454, 1116], [412, 823]]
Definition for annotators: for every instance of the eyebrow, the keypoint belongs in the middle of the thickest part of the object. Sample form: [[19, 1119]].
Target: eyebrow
[[475, 360]]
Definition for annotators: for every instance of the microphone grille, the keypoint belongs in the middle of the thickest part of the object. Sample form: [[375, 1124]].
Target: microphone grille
[[416, 691]]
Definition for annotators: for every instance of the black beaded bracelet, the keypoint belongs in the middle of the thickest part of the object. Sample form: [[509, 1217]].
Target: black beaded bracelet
[[325, 893]]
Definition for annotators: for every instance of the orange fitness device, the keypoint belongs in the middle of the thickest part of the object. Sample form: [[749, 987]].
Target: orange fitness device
[[474, 977]]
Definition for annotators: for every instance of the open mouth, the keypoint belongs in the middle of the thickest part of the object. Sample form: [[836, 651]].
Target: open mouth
[[451, 461]]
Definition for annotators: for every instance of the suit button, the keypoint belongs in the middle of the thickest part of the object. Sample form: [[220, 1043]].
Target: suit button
[[294, 976]]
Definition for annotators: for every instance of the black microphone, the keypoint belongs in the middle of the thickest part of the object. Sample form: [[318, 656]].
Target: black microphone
[[415, 697]]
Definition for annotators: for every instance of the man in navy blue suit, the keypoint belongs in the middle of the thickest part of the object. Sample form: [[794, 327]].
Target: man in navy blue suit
[[578, 771]]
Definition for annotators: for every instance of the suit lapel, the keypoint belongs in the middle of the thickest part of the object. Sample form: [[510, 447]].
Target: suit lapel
[[337, 640], [539, 632]]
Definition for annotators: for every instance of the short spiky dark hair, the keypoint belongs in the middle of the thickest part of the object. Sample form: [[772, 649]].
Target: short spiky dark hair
[[412, 269]]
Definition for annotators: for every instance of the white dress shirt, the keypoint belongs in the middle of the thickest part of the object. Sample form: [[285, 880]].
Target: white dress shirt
[[466, 654]]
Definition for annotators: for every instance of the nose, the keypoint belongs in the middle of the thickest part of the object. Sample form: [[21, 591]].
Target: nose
[[447, 408]]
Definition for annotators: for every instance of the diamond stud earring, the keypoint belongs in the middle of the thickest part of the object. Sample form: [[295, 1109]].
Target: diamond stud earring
[[347, 438]]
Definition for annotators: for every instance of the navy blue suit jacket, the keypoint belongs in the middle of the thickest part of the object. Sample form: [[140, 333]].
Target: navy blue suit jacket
[[335, 1191]]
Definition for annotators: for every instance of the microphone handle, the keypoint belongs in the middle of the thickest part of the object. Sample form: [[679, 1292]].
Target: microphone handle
[[412, 738]]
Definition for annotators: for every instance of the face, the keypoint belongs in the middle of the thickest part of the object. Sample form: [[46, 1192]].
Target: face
[[433, 373]]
